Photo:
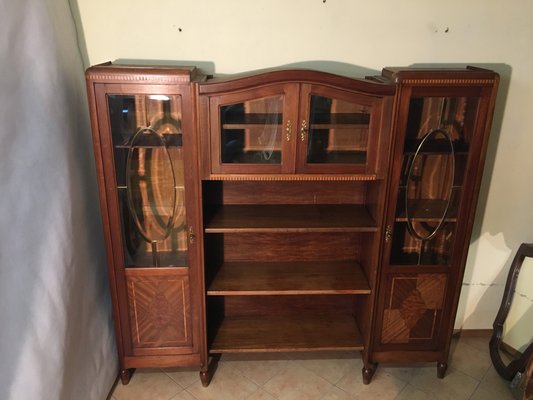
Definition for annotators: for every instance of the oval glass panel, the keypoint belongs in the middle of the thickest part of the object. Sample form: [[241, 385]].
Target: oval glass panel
[[429, 185], [151, 185]]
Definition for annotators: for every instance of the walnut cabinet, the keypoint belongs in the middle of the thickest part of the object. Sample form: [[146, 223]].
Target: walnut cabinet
[[288, 210]]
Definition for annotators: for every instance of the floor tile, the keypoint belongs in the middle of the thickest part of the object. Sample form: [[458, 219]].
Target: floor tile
[[184, 377], [469, 359], [480, 343], [330, 366], [411, 393], [383, 386], [297, 383], [336, 394], [402, 372], [325, 376], [225, 385], [455, 385], [493, 386], [183, 395], [258, 367], [260, 394], [147, 385]]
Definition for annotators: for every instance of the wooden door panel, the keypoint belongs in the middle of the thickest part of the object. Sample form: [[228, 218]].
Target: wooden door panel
[[413, 309], [159, 311]]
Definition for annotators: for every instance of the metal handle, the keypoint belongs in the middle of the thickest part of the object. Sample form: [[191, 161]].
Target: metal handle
[[288, 130], [192, 235], [303, 130], [388, 233]]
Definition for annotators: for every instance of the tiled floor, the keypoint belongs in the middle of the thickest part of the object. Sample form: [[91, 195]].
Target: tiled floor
[[325, 376]]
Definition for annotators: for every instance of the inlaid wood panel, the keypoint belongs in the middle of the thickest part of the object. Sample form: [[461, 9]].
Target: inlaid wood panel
[[413, 309], [159, 309]]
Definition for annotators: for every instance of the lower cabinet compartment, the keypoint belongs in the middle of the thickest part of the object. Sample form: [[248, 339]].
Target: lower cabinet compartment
[[282, 323], [159, 311], [287, 333]]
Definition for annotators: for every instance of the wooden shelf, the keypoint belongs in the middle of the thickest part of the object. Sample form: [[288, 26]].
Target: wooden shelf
[[338, 126], [435, 147], [170, 139], [249, 126], [253, 120], [291, 218], [429, 210], [288, 278], [359, 119], [287, 333]]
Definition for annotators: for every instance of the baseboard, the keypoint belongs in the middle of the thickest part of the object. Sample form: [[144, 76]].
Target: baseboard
[[473, 332]]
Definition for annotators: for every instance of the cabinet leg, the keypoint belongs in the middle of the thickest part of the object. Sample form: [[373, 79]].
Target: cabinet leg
[[441, 369], [368, 372], [125, 375], [205, 378], [207, 374]]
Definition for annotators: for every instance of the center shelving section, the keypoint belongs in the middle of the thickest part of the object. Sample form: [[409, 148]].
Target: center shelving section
[[287, 263]]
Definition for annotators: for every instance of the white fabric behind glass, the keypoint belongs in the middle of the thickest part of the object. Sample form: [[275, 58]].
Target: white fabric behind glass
[[56, 337]]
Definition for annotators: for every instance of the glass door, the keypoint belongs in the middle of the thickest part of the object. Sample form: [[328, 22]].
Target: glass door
[[254, 131], [147, 142], [435, 154], [337, 131], [422, 237]]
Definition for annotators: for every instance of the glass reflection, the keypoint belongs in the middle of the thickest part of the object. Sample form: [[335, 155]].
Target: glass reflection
[[252, 131], [338, 132], [435, 158]]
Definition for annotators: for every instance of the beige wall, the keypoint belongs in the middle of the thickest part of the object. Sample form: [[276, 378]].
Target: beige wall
[[337, 35]]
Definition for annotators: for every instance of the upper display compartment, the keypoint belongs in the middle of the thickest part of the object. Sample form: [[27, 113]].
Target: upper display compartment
[[294, 124]]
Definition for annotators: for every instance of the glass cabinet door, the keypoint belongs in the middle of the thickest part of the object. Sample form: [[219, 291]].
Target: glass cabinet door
[[148, 159], [335, 131], [435, 153], [253, 131]]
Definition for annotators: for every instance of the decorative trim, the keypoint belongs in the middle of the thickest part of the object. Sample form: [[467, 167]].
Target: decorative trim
[[161, 79], [473, 333], [448, 81], [290, 177]]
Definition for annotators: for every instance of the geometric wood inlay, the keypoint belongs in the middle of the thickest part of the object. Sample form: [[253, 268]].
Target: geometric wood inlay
[[159, 311], [414, 308]]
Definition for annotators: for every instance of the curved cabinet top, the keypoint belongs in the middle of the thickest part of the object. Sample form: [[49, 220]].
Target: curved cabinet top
[[252, 80]]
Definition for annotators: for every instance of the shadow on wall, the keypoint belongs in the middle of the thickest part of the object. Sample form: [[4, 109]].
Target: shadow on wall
[[209, 68]]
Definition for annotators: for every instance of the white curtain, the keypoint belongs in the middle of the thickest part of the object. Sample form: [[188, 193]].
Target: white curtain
[[56, 337]]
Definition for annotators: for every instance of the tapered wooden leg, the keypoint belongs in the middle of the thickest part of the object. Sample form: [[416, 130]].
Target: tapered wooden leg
[[368, 372], [125, 375], [205, 378], [207, 374], [441, 369]]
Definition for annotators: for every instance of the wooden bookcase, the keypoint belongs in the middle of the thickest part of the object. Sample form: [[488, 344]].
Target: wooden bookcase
[[322, 212]]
